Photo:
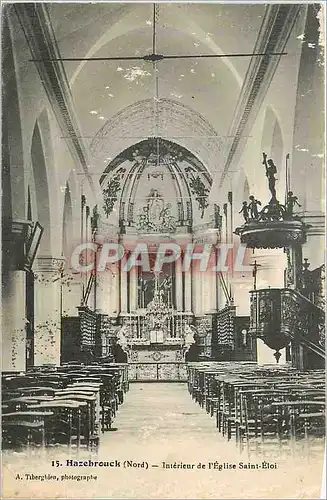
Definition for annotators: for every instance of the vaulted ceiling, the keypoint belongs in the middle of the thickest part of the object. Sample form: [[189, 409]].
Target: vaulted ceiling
[[114, 100]]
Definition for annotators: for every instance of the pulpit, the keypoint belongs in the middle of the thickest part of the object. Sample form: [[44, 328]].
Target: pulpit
[[283, 316]]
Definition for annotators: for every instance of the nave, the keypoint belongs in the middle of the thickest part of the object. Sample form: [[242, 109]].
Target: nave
[[166, 425]]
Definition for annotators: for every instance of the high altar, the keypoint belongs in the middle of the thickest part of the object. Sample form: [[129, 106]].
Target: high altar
[[156, 192], [163, 191]]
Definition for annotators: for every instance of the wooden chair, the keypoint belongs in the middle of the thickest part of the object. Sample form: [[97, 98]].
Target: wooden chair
[[24, 427]]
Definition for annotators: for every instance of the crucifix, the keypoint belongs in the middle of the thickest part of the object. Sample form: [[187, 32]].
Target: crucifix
[[156, 282], [254, 274]]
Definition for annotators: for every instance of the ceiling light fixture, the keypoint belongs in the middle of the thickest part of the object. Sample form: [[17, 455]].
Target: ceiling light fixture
[[154, 57]]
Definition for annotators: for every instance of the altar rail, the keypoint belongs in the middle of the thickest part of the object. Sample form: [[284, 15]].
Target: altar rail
[[157, 372]]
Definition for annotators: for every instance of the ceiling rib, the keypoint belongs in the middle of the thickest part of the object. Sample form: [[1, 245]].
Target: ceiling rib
[[36, 25], [275, 30]]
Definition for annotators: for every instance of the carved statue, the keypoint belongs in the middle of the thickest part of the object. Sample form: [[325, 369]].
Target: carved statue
[[155, 216], [271, 170], [167, 220], [274, 211], [253, 206], [155, 206], [190, 331], [290, 203], [122, 337], [244, 210], [143, 219]]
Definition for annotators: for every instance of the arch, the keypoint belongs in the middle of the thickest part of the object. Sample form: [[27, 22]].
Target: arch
[[185, 125], [268, 130], [277, 145], [41, 189], [13, 177], [182, 168], [272, 138], [272, 144], [149, 145], [246, 189]]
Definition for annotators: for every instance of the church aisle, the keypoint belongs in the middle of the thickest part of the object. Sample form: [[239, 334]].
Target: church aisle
[[155, 410]]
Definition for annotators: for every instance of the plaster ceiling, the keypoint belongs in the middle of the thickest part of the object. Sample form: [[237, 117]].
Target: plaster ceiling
[[110, 92]]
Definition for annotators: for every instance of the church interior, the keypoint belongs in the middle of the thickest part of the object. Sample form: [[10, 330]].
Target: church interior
[[130, 126]]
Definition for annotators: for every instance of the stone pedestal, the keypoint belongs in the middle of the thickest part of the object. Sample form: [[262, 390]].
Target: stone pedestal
[[47, 312]]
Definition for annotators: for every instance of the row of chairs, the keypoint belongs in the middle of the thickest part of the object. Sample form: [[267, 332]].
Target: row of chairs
[[260, 402], [69, 405]]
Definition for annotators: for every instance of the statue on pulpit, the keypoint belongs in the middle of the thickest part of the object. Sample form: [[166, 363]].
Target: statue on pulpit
[[271, 170], [291, 201], [253, 207]]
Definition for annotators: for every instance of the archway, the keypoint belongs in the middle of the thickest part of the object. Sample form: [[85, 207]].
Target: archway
[[42, 190]]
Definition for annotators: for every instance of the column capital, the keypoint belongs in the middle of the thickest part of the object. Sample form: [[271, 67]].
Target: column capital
[[316, 222], [49, 264]]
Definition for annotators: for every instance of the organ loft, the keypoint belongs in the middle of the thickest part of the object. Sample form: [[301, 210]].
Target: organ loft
[[163, 207]]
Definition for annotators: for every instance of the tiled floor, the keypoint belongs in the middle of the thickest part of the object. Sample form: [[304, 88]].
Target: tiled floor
[[159, 423]]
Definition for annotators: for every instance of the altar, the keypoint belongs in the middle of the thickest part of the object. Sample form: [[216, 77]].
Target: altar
[[156, 340], [164, 363], [156, 354]]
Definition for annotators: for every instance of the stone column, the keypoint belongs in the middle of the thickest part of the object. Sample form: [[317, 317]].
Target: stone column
[[123, 285], [196, 290], [13, 322], [133, 288], [71, 294], [209, 291], [47, 310], [114, 289], [179, 285], [188, 291], [199, 290], [242, 287], [102, 290]]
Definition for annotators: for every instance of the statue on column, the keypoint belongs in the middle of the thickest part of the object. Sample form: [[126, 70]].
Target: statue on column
[[271, 170]]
